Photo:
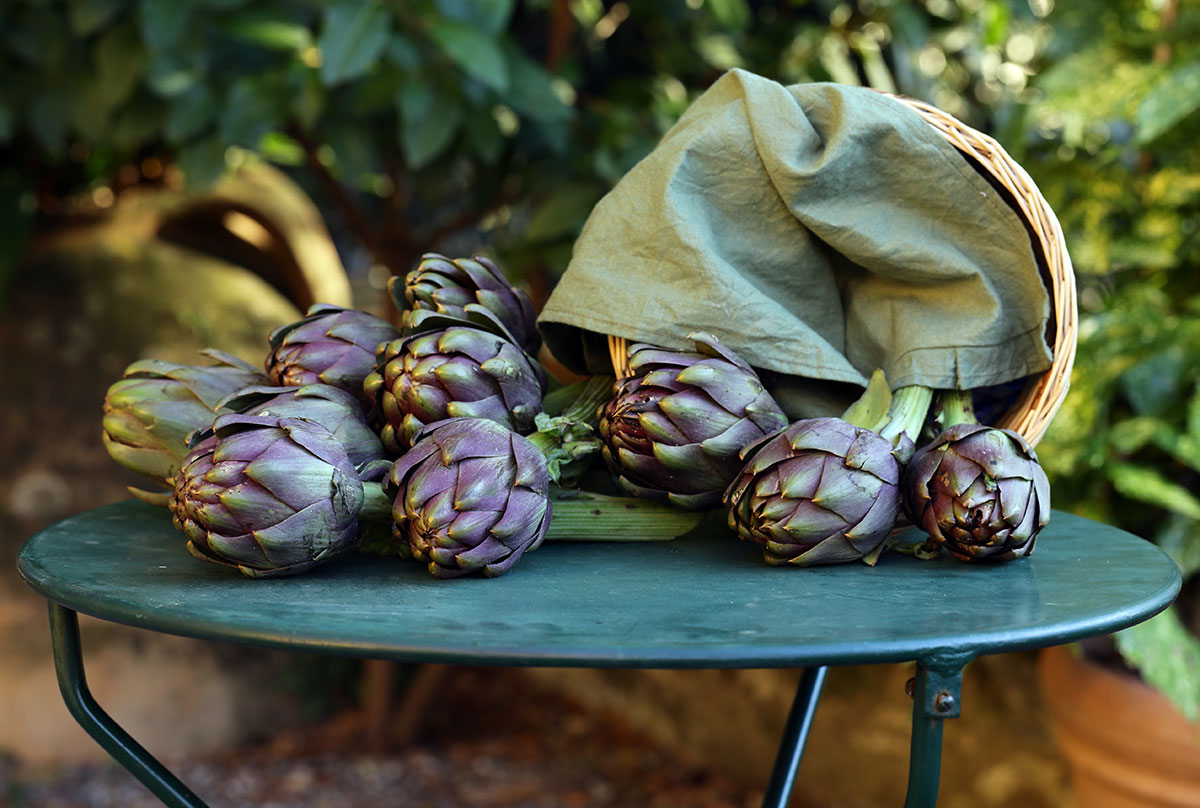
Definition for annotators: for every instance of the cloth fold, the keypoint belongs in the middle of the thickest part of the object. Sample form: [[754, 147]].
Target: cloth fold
[[820, 231]]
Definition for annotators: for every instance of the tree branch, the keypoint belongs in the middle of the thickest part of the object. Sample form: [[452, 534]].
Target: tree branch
[[354, 216], [1162, 48], [559, 34], [463, 219]]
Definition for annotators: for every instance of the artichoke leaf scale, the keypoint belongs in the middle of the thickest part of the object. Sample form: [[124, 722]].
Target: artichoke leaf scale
[[831, 435], [733, 391], [725, 445], [470, 527], [152, 462], [482, 482], [438, 511], [810, 523], [290, 473], [836, 549], [848, 494], [800, 477], [531, 471], [525, 509], [463, 379], [873, 454], [259, 504], [491, 408], [875, 524], [656, 428], [475, 343], [688, 460], [696, 415]]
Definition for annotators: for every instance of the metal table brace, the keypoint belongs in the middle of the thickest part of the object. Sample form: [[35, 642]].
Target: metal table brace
[[937, 693]]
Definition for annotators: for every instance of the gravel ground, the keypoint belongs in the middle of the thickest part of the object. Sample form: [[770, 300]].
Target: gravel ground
[[491, 739]]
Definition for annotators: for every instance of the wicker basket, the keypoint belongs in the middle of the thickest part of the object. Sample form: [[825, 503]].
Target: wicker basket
[[1031, 413]]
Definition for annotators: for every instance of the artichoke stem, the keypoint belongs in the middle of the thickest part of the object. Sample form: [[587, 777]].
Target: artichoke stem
[[910, 406], [954, 407], [585, 516], [580, 401], [376, 507]]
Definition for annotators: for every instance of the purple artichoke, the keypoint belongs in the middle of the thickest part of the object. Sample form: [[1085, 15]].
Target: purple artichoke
[[149, 413], [674, 430], [455, 287], [459, 371], [821, 492], [979, 491], [331, 345], [470, 496], [270, 496], [331, 407]]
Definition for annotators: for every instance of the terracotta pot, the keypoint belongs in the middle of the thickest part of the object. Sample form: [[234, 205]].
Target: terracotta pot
[[1128, 746]]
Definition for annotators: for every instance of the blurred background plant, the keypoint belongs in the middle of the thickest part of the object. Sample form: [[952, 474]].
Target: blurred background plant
[[452, 124]]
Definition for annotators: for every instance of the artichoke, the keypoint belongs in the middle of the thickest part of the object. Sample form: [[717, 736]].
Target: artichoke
[[331, 345], [457, 371], [979, 491], [674, 430], [454, 287], [822, 491], [331, 407], [471, 496], [271, 496], [149, 413]]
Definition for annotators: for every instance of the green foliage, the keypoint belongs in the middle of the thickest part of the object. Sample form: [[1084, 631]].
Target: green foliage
[[1113, 146], [1168, 657], [509, 119]]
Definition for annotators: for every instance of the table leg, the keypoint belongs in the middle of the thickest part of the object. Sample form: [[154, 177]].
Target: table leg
[[795, 733], [68, 661], [937, 692]]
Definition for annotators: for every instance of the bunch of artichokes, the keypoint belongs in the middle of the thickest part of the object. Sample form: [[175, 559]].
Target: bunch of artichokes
[[273, 480]]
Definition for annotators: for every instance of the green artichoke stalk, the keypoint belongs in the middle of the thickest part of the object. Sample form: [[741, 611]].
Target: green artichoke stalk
[[331, 407], [461, 285], [825, 490], [149, 414], [673, 431], [977, 490], [272, 496], [471, 496], [454, 369], [331, 345]]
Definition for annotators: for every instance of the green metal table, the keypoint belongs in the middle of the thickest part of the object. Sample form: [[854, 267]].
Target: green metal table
[[702, 601]]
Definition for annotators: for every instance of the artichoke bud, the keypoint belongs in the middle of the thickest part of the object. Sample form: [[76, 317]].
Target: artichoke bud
[[331, 407], [673, 431], [457, 371], [461, 288], [331, 345], [270, 496], [822, 491], [979, 491], [151, 411], [471, 496]]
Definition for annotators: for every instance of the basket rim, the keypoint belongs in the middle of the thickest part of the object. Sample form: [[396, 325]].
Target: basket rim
[[1043, 394]]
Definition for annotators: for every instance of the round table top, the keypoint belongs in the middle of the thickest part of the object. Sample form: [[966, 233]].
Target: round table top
[[702, 601]]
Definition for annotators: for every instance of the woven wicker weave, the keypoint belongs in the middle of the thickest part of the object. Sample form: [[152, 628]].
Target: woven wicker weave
[[1030, 415]]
